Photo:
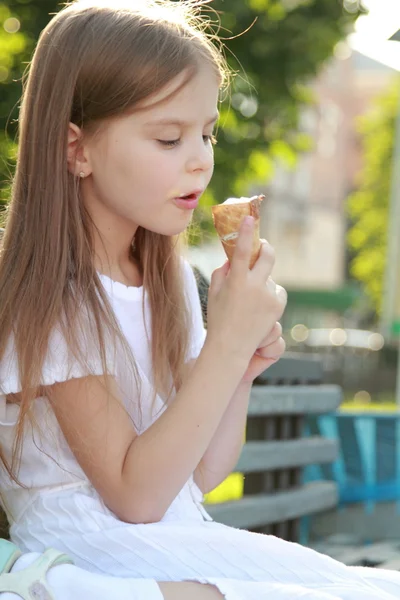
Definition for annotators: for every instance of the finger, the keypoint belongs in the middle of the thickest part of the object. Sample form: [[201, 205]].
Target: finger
[[265, 262], [271, 285], [218, 276], [274, 350], [222, 270], [274, 335], [281, 295], [241, 256]]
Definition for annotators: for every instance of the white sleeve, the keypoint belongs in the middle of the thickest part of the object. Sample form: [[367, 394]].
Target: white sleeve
[[60, 363], [198, 332]]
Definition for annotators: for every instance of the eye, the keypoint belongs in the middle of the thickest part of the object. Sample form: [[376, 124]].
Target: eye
[[169, 143], [172, 143]]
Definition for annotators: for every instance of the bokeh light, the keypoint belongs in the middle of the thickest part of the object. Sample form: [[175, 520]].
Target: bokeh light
[[376, 341], [362, 397], [299, 333], [338, 337], [12, 25]]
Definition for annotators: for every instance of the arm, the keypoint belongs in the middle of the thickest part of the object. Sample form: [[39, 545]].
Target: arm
[[226, 445], [224, 450], [138, 477]]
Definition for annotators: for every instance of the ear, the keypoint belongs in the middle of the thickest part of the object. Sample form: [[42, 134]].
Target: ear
[[76, 152]]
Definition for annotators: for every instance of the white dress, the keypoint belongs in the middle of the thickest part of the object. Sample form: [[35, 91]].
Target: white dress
[[61, 509]]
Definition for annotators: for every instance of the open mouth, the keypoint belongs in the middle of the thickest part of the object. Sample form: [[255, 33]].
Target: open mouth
[[189, 197], [189, 202]]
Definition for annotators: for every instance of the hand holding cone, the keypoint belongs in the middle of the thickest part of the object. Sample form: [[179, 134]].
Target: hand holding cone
[[227, 218]]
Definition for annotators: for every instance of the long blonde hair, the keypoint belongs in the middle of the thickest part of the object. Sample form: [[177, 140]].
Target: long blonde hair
[[93, 61]]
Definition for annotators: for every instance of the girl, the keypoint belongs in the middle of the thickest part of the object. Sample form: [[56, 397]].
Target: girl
[[117, 411]]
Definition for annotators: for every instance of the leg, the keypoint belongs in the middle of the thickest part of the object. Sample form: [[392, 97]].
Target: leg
[[65, 581], [189, 591]]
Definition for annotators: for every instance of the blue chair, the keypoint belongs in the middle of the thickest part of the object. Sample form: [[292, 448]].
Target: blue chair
[[367, 473], [368, 467]]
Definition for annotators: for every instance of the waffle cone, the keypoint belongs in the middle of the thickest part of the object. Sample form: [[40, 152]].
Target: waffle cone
[[227, 219]]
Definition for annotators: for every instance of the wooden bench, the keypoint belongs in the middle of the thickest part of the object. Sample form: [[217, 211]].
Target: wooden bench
[[276, 451]]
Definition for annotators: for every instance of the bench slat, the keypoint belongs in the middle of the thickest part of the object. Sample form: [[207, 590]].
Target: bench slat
[[261, 456], [294, 368], [282, 399], [263, 509], [391, 565]]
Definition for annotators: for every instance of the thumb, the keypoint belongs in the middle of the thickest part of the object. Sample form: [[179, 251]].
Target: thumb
[[218, 276]]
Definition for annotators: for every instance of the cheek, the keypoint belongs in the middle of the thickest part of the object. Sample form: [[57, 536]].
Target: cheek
[[142, 161], [110, 162], [125, 170], [160, 168], [113, 175]]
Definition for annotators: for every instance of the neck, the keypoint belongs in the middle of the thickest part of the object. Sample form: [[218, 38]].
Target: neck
[[113, 237]]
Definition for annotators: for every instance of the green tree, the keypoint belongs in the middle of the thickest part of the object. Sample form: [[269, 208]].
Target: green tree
[[368, 206], [281, 44], [20, 24]]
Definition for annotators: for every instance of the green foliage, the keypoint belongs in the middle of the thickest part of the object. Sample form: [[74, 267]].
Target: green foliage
[[21, 22], [283, 46], [8, 151], [368, 206]]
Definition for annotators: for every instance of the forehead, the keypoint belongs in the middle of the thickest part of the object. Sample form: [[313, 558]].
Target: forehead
[[194, 102], [180, 101]]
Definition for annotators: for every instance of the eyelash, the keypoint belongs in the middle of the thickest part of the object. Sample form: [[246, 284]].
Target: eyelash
[[174, 143]]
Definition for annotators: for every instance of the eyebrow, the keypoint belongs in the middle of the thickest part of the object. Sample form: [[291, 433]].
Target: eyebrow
[[178, 122]]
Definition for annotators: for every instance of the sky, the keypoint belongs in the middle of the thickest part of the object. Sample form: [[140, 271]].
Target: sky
[[373, 30]]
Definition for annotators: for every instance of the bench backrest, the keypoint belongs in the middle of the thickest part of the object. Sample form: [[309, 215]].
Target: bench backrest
[[276, 451]]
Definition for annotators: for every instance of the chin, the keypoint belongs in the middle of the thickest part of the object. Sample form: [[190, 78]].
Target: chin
[[174, 232], [170, 231], [177, 227]]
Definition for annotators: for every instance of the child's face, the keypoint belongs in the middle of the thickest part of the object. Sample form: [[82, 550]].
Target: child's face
[[135, 177]]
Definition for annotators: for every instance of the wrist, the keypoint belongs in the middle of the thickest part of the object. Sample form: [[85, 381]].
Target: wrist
[[225, 358], [244, 386]]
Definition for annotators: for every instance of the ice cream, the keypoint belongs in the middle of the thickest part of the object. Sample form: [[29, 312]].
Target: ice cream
[[228, 217]]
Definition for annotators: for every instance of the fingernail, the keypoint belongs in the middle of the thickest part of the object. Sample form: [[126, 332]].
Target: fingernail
[[248, 221]]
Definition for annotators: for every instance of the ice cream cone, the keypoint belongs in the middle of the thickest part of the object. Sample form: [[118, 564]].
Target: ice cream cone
[[228, 217]]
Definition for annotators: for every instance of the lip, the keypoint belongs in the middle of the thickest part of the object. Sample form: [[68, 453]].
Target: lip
[[191, 203]]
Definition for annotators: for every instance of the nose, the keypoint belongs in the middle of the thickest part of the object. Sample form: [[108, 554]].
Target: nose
[[201, 157]]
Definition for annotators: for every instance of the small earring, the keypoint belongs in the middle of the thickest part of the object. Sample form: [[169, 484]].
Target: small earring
[[82, 174]]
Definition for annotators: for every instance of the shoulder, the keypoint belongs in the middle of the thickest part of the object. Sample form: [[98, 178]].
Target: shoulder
[[62, 361]]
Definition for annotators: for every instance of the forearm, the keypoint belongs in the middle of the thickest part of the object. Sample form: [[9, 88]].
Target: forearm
[[161, 460], [226, 445]]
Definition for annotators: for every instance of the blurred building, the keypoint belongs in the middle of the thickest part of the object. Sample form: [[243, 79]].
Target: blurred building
[[304, 216], [304, 213]]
